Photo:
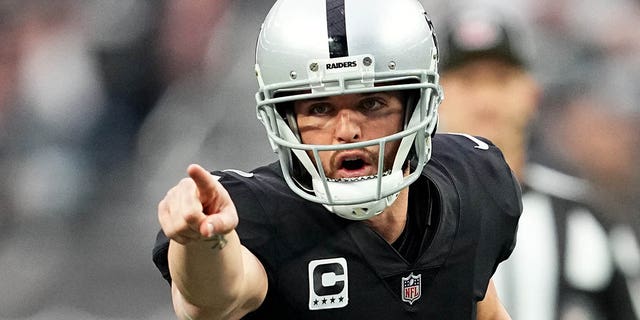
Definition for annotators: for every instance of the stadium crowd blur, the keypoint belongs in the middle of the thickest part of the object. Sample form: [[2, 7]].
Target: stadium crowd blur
[[103, 104]]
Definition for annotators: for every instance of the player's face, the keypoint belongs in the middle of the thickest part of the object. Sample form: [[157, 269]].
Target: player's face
[[347, 119]]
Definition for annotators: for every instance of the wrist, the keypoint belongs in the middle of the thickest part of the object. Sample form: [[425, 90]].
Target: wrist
[[216, 242]]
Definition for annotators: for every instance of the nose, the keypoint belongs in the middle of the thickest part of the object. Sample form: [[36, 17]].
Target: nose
[[347, 127]]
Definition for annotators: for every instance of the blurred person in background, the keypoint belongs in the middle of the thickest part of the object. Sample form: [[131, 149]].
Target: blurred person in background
[[595, 134], [50, 101], [491, 91], [589, 122]]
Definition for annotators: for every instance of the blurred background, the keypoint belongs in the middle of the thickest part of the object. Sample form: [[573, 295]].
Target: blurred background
[[104, 103]]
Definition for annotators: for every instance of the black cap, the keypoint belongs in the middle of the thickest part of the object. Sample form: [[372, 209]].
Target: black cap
[[471, 33]]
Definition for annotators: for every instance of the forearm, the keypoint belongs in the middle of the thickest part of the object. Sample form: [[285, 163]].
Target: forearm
[[206, 275]]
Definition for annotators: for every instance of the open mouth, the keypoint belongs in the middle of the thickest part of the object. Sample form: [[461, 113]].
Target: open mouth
[[353, 164]]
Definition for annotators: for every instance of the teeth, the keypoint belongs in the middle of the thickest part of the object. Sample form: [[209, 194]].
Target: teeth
[[361, 178]]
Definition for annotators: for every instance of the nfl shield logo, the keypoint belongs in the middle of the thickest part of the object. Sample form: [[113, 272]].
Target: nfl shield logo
[[411, 288]]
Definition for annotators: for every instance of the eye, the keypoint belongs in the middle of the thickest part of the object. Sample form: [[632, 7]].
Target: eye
[[318, 109], [371, 104]]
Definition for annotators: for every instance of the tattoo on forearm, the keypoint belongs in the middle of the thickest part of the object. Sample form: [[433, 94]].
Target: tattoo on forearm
[[218, 241]]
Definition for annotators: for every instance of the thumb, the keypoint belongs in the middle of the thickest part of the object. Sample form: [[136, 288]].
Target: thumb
[[222, 223], [205, 182]]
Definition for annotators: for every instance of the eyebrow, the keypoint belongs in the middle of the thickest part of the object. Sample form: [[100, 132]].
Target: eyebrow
[[364, 94]]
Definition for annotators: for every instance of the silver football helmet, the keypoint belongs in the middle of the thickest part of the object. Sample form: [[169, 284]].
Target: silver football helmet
[[347, 46]]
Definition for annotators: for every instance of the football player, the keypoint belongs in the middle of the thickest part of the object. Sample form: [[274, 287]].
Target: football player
[[358, 218]]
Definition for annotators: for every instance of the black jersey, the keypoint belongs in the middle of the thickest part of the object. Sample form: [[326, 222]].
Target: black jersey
[[320, 266]]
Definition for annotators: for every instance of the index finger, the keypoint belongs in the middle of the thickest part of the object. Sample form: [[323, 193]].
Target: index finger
[[201, 176], [205, 182]]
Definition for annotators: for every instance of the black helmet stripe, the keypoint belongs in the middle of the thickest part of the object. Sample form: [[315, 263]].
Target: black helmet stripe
[[337, 29]]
